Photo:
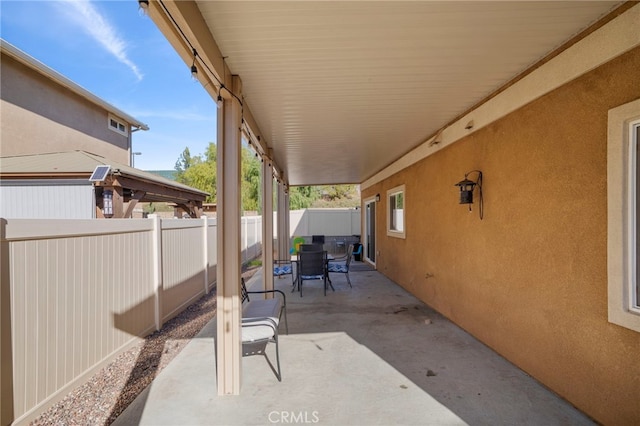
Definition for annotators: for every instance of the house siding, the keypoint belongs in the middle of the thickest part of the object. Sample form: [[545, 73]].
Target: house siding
[[530, 279], [42, 200], [40, 116]]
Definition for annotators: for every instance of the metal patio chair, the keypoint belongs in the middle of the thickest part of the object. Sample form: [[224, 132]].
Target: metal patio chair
[[312, 266]]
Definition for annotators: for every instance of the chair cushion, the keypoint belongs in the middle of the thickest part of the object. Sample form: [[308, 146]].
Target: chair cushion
[[312, 277], [337, 267], [282, 270], [260, 319], [257, 330]]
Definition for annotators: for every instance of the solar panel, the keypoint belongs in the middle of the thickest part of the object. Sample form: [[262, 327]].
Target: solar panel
[[100, 173]]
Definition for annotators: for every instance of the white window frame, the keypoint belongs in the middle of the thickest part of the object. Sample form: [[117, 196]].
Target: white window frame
[[622, 169], [120, 123], [390, 193]]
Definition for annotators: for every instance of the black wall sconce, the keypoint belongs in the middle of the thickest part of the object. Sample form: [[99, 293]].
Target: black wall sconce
[[377, 198], [467, 186]]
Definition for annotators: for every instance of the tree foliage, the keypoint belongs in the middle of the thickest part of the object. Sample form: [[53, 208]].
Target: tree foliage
[[251, 172], [200, 172]]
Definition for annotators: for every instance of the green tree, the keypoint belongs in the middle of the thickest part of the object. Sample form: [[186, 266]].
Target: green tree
[[183, 163], [302, 197], [251, 180], [199, 171]]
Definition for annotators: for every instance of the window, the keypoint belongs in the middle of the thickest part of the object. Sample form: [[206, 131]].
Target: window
[[117, 125], [623, 189], [395, 212]]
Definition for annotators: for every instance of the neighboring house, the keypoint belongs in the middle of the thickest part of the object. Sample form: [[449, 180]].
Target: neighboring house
[[43, 112], [54, 134], [57, 185]]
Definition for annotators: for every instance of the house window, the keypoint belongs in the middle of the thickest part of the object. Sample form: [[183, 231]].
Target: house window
[[395, 212], [623, 192], [117, 125]]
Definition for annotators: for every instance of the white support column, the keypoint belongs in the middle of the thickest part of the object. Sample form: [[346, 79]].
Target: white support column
[[229, 317], [157, 270], [267, 224], [283, 223]]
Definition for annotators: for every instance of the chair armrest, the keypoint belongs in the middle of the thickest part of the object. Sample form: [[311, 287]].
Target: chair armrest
[[284, 298], [257, 321]]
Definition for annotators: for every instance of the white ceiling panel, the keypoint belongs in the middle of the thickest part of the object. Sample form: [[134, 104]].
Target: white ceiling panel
[[341, 89]]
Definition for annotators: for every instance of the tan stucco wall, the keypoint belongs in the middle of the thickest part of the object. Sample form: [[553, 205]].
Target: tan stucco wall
[[530, 280], [40, 116]]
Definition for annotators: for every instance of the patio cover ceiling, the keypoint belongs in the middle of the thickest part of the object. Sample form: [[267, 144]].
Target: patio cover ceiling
[[339, 90]]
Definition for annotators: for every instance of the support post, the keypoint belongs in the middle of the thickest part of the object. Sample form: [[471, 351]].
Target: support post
[[157, 270], [228, 339], [283, 223], [267, 225]]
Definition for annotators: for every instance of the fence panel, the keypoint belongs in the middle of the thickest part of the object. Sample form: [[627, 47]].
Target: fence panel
[[183, 271], [80, 291], [70, 288]]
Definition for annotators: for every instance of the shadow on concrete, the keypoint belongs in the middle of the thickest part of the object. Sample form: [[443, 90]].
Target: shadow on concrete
[[373, 354]]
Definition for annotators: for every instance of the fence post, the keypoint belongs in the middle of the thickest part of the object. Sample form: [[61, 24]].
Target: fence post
[[205, 251], [6, 354], [156, 241]]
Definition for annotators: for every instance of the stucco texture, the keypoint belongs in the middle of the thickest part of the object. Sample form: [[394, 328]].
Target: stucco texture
[[530, 279]]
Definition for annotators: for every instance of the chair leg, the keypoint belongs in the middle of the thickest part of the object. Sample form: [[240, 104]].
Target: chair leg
[[278, 358], [348, 280], [286, 323]]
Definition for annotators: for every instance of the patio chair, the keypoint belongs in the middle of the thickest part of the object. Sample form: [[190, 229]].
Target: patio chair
[[318, 239], [282, 268], [312, 266], [310, 247], [341, 265], [260, 321]]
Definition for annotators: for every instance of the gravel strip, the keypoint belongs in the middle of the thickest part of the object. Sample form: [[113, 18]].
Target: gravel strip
[[109, 392]]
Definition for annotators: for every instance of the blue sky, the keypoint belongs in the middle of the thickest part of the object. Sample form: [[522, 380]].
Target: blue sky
[[108, 48]]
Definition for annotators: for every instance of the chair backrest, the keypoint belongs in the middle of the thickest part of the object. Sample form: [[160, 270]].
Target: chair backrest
[[243, 291], [310, 247], [349, 255], [311, 262]]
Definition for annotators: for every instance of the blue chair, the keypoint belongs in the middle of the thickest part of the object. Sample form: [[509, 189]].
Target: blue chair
[[282, 268], [341, 265]]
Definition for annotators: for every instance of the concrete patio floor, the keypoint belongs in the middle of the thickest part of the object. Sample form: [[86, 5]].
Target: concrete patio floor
[[368, 355]]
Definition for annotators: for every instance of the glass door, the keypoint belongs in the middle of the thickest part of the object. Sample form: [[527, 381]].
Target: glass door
[[370, 231]]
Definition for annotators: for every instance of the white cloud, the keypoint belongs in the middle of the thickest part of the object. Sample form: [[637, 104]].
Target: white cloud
[[98, 27]]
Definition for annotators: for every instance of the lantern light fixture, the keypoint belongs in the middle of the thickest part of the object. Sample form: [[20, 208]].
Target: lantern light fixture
[[467, 186], [194, 69]]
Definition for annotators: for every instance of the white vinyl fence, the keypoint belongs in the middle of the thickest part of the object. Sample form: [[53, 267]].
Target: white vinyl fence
[[76, 293]]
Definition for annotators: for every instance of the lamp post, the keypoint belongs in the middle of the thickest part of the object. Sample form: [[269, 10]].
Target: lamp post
[[133, 158]]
